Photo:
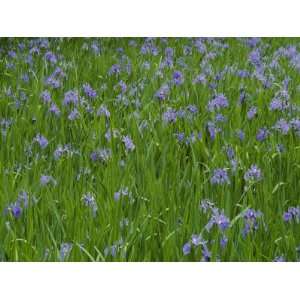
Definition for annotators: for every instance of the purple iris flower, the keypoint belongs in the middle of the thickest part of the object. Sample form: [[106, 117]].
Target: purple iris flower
[[253, 174], [220, 177], [42, 141], [178, 78], [129, 145]]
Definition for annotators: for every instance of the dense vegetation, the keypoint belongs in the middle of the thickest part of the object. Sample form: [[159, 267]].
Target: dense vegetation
[[156, 149]]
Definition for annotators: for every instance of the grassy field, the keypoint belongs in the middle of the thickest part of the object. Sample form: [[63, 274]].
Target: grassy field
[[131, 149]]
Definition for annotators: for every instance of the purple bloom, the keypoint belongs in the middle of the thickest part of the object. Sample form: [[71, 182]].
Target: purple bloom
[[220, 177], [206, 205], [252, 42], [59, 152], [293, 213], [262, 134], [223, 241], [178, 78], [89, 200], [220, 101], [163, 92], [123, 192], [212, 130], [121, 85], [250, 220], [277, 104], [192, 108], [89, 91], [115, 69], [217, 218], [186, 249], [71, 97], [295, 124], [169, 52], [283, 126], [53, 82], [254, 57], [23, 198], [242, 73], [25, 77], [73, 115], [240, 134], [230, 152], [206, 254], [187, 50], [170, 116], [287, 216], [103, 111], [129, 145], [220, 118], [180, 137], [51, 57], [41, 140], [117, 196], [253, 174], [45, 180], [201, 78], [251, 113], [46, 97], [16, 210], [279, 259], [65, 249], [101, 155], [58, 72], [12, 54], [197, 240], [54, 109], [181, 113], [220, 220]]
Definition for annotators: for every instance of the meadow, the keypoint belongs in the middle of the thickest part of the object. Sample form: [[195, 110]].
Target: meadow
[[149, 149]]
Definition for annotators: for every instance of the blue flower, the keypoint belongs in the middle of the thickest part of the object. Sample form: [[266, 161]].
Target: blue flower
[[262, 134], [73, 115], [163, 92], [115, 69], [220, 177], [178, 78], [293, 213], [251, 113], [279, 259], [51, 57], [170, 115], [250, 221], [186, 249], [206, 254], [282, 126], [46, 179], [89, 91], [41, 140], [129, 145], [71, 97], [46, 97], [253, 174], [65, 249], [255, 57], [103, 111], [101, 155], [54, 109], [89, 200], [198, 240], [220, 101], [16, 210]]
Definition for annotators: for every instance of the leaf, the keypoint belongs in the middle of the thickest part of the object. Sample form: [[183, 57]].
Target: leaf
[[277, 187]]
